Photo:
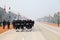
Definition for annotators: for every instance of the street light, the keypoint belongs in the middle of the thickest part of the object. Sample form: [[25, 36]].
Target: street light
[[58, 19], [18, 16], [9, 14]]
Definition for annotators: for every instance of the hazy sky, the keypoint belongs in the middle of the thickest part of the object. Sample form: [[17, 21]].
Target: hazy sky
[[32, 8]]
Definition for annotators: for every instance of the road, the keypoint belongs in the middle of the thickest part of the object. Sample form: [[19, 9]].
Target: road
[[40, 31], [49, 32]]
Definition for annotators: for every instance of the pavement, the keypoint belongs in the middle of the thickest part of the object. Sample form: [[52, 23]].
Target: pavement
[[40, 31], [50, 32], [13, 35]]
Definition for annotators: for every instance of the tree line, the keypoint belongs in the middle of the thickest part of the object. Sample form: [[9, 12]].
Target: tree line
[[7, 16], [51, 19]]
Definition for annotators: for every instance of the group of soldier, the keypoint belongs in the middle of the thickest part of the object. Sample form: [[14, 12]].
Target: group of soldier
[[19, 24]]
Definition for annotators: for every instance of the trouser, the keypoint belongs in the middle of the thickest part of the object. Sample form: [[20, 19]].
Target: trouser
[[17, 27], [3, 26], [29, 27], [22, 27], [8, 26]]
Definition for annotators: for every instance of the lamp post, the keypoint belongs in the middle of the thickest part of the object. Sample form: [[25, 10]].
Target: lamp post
[[9, 14], [58, 19], [18, 16]]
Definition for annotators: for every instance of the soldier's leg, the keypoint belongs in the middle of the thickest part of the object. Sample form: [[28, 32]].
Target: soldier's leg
[[8, 26], [19, 26], [16, 27], [22, 28], [3, 26], [17, 30]]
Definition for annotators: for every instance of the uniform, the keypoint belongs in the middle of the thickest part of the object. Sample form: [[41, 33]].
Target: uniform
[[8, 23], [4, 23], [20, 24]]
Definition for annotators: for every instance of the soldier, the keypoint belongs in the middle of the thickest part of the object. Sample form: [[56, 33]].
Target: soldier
[[23, 22], [32, 23], [8, 23], [16, 24], [4, 23], [29, 24]]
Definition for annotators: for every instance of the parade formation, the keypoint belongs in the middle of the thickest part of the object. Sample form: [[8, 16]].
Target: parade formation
[[10, 19], [20, 24]]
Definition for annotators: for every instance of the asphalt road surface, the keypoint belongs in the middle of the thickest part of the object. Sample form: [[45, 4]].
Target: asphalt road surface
[[40, 31]]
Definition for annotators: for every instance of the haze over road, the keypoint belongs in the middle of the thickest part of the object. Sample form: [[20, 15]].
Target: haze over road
[[32, 9], [40, 31]]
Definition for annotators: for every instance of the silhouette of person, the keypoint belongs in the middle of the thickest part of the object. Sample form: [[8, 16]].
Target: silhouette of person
[[4, 24], [8, 23]]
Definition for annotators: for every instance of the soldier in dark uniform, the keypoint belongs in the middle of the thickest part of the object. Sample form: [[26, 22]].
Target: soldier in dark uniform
[[4, 23], [29, 24], [8, 23], [16, 24], [22, 24], [32, 23]]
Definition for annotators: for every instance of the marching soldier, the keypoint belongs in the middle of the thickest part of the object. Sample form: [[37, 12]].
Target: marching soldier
[[29, 24], [20, 24]]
